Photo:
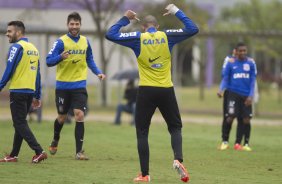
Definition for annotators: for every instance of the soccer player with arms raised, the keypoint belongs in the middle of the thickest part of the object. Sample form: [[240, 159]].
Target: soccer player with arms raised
[[153, 51]]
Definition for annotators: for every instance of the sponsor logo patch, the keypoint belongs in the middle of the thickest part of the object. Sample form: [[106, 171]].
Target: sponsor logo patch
[[33, 68], [174, 31], [12, 54], [54, 45], [153, 41], [123, 35], [32, 52], [152, 60], [158, 65], [75, 61], [241, 75]]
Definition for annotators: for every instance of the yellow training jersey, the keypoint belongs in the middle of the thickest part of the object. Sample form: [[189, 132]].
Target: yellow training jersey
[[154, 61], [73, 68], [25, 74]]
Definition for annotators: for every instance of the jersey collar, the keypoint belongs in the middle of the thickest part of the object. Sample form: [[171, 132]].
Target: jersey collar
[[23, 38], [151, 30], [75, 38]]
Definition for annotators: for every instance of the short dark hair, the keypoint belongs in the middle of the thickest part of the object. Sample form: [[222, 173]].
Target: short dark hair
[[74, 16], [240, 44], [18, 24]]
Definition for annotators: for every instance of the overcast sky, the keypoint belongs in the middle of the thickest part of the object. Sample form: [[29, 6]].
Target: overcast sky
[[216, 4]]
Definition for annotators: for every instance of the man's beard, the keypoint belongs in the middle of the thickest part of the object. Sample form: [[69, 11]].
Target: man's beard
[[13, 39], [74, 32]]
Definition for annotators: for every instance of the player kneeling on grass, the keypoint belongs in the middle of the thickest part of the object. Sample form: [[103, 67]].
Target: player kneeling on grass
[[23, 70], [153, 52]]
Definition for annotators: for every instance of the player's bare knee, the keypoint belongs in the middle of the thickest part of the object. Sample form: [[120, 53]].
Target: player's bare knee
[[79, 118], [78, 115], [61, 118]]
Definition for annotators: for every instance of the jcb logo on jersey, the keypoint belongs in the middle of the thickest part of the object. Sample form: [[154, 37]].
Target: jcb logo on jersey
[[122, 35], [12, 54]]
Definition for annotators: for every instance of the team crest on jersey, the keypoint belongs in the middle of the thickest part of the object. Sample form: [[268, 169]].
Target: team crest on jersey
[[231, 107], [246, 67], [61, 108]]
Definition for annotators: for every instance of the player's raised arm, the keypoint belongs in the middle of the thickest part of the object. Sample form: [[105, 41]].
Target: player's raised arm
[[178, 35], [128, 39]]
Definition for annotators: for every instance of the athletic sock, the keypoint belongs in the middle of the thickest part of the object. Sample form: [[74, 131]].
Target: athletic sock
[[143, 150], [240, 131], [247, 128], [79, 134], [226, 127], [57, 129], [176, 144]]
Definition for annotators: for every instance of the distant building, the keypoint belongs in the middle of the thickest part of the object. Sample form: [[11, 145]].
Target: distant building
[[44, 24]]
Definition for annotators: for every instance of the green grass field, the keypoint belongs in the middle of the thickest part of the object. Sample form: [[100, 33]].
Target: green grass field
[[269, 106], [114, 160]]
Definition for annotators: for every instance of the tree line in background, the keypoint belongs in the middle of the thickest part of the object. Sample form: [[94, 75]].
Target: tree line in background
[[252, 15], [257, 16]]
